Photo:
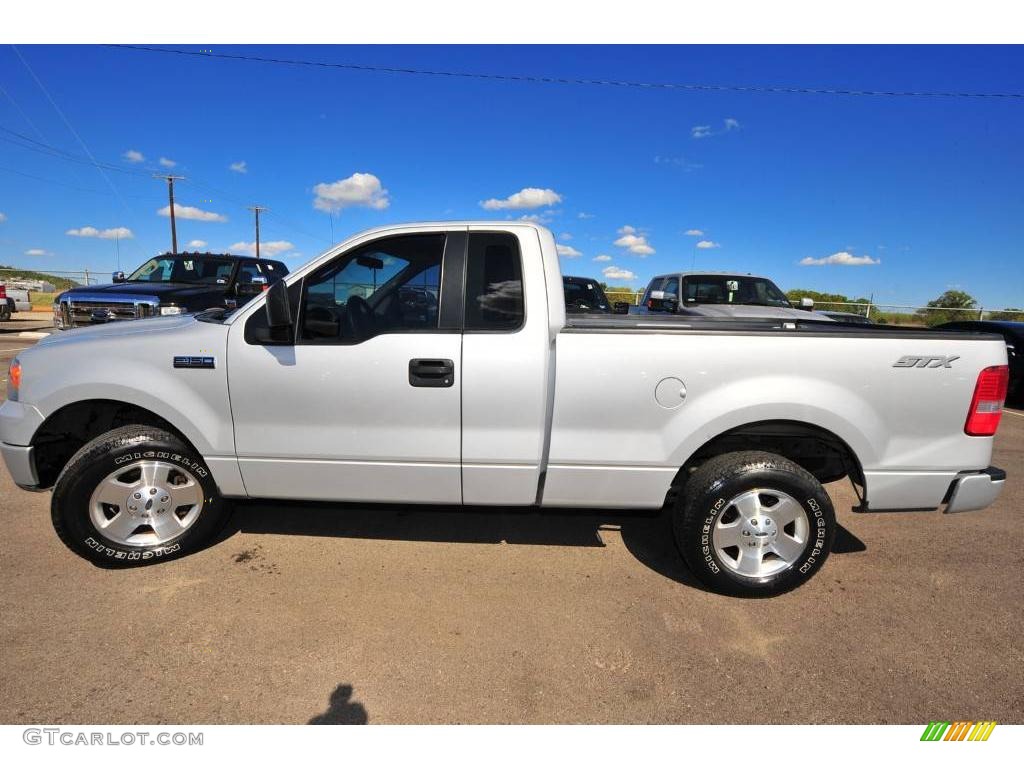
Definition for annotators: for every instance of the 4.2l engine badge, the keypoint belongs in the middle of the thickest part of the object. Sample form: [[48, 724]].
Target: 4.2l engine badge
[[931, 361]]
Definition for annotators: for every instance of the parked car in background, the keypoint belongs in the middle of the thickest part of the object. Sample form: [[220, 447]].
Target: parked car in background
[[722, 294], [1013, 335], [585, 295], [847, 317], [171, 284], [13, 300]]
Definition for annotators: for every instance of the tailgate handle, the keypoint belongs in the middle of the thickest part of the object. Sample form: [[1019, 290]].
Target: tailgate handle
[[424, 372]]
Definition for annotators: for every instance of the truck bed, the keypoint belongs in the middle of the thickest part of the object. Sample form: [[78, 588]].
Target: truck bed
[[602, 323]]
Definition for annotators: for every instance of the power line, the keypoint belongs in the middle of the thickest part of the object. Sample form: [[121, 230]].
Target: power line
[[71, 128], [26, 142], [572, 80]]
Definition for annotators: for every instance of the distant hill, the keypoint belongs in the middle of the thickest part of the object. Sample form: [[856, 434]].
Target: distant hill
[[13, 273]]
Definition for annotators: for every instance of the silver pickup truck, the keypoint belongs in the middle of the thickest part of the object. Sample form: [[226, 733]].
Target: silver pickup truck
[[434, 363]]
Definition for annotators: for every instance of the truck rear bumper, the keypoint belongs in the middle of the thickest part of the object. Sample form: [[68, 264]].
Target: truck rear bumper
[[976, 490], [20, 464]]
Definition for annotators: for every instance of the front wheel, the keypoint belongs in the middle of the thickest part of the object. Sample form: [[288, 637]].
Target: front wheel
[[753, 524], [134, 496]]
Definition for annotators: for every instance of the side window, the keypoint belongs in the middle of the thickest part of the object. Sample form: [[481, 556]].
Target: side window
[[390, 286], [494, 283], [671, 285]]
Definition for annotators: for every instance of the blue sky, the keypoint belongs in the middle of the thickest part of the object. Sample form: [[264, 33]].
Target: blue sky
[[921, 194]]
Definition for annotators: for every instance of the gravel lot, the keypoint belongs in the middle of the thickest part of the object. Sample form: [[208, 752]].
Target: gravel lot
[[343, 613]]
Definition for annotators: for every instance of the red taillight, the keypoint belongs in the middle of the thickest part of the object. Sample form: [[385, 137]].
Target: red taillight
[[3, 291], [987, 403]]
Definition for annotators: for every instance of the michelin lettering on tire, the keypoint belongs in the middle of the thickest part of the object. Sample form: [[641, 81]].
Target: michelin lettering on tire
[[122, 554], [101, 462], [725, 509]]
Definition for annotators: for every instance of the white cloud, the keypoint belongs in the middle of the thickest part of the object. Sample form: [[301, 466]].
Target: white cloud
[[843, 258], [568, 251], [528, 197], [191, 212], [133, 156], [197, 244], [584, 215], [617, 273], [636, 243], [239, 167], [359, 189], [37, 252], [603, 257], [565, 236], [678, 162], [694, 232], [3, 217], [120, 233], [705, 244], [537, 218], [703, 131], [270, 248], [167, 163]]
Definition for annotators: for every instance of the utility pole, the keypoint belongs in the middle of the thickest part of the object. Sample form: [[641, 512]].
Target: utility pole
[[170, 196], [256, 210]]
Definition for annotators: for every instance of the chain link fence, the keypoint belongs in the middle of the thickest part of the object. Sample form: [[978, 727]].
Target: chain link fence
[[882, 314]]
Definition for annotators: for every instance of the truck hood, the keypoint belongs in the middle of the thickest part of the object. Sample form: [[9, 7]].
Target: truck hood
[[150, 325], [166, 292], [749, 310]]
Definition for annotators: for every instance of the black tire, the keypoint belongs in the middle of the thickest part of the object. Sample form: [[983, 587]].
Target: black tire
[[705, 501], [69, 508]]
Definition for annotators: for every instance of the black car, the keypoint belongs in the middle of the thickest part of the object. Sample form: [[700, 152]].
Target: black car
[[171, 284], [585, 295], [1013, 334]]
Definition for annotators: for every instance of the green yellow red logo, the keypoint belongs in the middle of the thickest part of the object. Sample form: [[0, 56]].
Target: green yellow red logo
[[960, 730]]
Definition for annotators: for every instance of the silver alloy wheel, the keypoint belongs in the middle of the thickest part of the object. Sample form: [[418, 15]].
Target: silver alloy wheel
[[761, 532], [146, 503]]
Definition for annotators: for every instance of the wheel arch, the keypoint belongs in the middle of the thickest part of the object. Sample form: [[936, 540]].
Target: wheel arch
[[73, 425], [820, 451]]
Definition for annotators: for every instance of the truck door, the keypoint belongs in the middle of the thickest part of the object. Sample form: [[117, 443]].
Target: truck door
[[507, 372], [363, 402]]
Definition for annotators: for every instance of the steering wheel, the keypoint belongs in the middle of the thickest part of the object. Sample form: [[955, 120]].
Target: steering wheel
[[360, 319]]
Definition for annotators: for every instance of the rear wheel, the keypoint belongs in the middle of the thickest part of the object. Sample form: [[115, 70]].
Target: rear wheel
[[134, 496], [753, 524]]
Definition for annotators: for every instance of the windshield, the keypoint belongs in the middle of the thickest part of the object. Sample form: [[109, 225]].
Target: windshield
[[731, 289], [184, 269], [584, 295]]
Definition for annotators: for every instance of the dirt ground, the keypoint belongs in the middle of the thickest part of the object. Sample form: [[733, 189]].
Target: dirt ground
[[347, 613]]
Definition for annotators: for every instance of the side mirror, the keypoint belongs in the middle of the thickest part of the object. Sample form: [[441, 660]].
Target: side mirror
[[620, 308], [117, 277], [807, 303], [279, 311]]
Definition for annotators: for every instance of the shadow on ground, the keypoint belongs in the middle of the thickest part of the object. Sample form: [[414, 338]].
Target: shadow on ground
[[647, 535], [341, 710]]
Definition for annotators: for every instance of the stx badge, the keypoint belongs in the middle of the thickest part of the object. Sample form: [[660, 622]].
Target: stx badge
[[932, 361]]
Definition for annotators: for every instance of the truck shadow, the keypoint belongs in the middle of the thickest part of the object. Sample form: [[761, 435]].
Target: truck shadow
[[646, 535]]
